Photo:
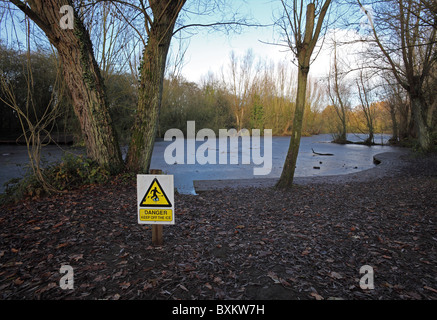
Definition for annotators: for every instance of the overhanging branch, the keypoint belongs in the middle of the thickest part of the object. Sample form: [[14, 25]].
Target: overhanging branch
[[230, 23]]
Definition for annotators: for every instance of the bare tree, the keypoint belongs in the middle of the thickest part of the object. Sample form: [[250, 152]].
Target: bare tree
[[241, 74], [159, 18], [364, 93], [110, 35], [400, 109], [339, 93], [408, 47], [82, 76], [301, 24], [36, 126], [316, 96], [156, 22]]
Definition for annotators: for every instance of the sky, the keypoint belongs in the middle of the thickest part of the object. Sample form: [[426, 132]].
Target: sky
[[209, 51]]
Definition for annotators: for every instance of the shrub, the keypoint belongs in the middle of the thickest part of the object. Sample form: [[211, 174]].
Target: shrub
[[70, 173], [75, 171]]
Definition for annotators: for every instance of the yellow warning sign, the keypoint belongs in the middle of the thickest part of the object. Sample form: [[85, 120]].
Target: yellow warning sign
[[159, 215], [155, 197]]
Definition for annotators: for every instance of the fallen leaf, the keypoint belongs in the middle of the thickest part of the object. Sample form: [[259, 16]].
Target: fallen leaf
[[100, 278], [414, 295], [148, 286], [284, 282], [335, 275], [117, 274], [317, 296], [306, 251], [182, 287], [218, 280], [62, 245], [76, 257], [58, 225], [273, 276], [125, 285], [429, 288]]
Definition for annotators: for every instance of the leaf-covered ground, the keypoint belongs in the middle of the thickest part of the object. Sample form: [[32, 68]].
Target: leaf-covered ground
[[254, 243]]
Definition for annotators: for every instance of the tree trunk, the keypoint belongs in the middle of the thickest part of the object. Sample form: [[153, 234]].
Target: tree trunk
[[82, 76], [369, 122], [286, 179], [394, 137], [304, 50], [422, 130], [149, 105], [151, 85], [343, 135], [404, 115]]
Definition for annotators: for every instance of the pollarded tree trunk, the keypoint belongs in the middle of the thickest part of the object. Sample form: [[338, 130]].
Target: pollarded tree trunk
[[82, 76], [408, 20], [151, 84]]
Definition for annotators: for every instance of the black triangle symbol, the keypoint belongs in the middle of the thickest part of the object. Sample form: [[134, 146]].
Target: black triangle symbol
[[168, 204]]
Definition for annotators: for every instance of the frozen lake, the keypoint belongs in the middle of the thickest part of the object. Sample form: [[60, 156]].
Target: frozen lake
[[347, 159]]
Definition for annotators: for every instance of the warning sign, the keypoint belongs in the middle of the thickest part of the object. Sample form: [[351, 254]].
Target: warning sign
[[156, 215], [155, 199], [155, 196]]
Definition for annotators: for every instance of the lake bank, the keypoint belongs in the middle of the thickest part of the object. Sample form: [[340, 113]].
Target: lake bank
[[387, 164]]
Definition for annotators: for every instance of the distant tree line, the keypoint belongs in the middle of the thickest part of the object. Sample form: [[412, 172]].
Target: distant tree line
[[269, 102]]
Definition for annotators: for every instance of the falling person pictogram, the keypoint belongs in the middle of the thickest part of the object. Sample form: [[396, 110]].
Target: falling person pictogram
[[154, 195]]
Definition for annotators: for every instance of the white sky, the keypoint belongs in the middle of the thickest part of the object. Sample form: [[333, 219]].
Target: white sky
[[209, 52]]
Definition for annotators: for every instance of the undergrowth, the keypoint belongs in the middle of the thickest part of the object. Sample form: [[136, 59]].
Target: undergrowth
[[70, 173]]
